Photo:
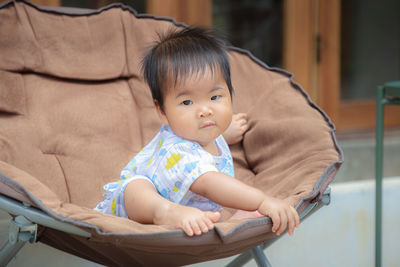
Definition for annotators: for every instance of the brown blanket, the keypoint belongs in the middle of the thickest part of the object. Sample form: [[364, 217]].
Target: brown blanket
[[74, 110]]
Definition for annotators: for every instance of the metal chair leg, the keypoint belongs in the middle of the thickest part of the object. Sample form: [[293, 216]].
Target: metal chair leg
[[21, 230], [8, 251], [389, 94], [378, 178], [259, 257]]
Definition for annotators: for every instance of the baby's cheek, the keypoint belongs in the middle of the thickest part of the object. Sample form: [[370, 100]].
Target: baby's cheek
[[226, 116]]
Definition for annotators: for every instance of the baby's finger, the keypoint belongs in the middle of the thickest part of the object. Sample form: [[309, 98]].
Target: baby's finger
[[242, 122], [196, 229], [291, 222], [209, 223], [202, 225], [213, 216], [244, 127], [284, 221], [296, 216], [187, 228], [276, 221], [239, 116]]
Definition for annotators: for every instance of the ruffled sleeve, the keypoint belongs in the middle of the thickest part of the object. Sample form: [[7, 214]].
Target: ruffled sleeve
[[183, 163]]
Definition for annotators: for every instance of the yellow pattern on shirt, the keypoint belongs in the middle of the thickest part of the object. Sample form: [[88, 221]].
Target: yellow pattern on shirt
[[171, 161]]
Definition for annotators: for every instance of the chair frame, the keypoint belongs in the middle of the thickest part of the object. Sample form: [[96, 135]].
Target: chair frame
[[24, 224]]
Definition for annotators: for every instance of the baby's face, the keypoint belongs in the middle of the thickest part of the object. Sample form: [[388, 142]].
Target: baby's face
[[199, 108]]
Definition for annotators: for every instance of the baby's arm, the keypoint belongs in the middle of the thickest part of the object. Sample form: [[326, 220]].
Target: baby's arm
[[235, 131], [232, 193], [144, 205]]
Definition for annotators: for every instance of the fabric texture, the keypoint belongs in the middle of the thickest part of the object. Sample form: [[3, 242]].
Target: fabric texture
[[171, 164], [114, 200], [74, 109]]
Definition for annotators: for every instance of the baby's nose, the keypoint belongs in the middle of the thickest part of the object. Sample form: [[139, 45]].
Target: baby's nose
[[204, 112]]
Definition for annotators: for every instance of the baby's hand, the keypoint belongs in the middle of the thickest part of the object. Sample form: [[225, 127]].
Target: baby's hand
[[282, 214], [189, 219], [235, 131], [195, 221]]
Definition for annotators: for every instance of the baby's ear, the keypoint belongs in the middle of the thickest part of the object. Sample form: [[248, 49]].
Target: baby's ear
[[158, 107], [161, 113]]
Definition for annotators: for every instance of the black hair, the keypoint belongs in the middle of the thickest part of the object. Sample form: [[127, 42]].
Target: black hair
[[180, 53]]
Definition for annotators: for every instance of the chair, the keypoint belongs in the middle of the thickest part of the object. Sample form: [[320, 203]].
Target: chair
[[74, 109]]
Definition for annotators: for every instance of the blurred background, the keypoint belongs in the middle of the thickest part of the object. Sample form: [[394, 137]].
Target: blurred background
[[339, 51]]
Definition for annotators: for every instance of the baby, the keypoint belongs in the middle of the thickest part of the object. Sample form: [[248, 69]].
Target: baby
[[184, 176]]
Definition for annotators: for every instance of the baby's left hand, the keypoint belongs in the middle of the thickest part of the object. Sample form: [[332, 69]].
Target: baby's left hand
[[235, 131], [281, 213]]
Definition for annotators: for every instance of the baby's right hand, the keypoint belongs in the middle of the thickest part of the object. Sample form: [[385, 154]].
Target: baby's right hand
[[237, 128], [191, 220], [281, 213], [198, 222]]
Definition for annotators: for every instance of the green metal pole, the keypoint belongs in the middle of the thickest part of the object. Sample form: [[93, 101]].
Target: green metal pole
[[378, 177]]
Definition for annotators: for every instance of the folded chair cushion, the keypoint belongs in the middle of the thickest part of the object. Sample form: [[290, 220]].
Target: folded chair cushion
[[74, 109]]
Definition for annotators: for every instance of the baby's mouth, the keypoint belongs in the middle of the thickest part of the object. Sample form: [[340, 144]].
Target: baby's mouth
[[207, 124]]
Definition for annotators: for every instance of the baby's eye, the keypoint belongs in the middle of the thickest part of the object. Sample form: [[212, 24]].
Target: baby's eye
[[215, 97], [187, 102]]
